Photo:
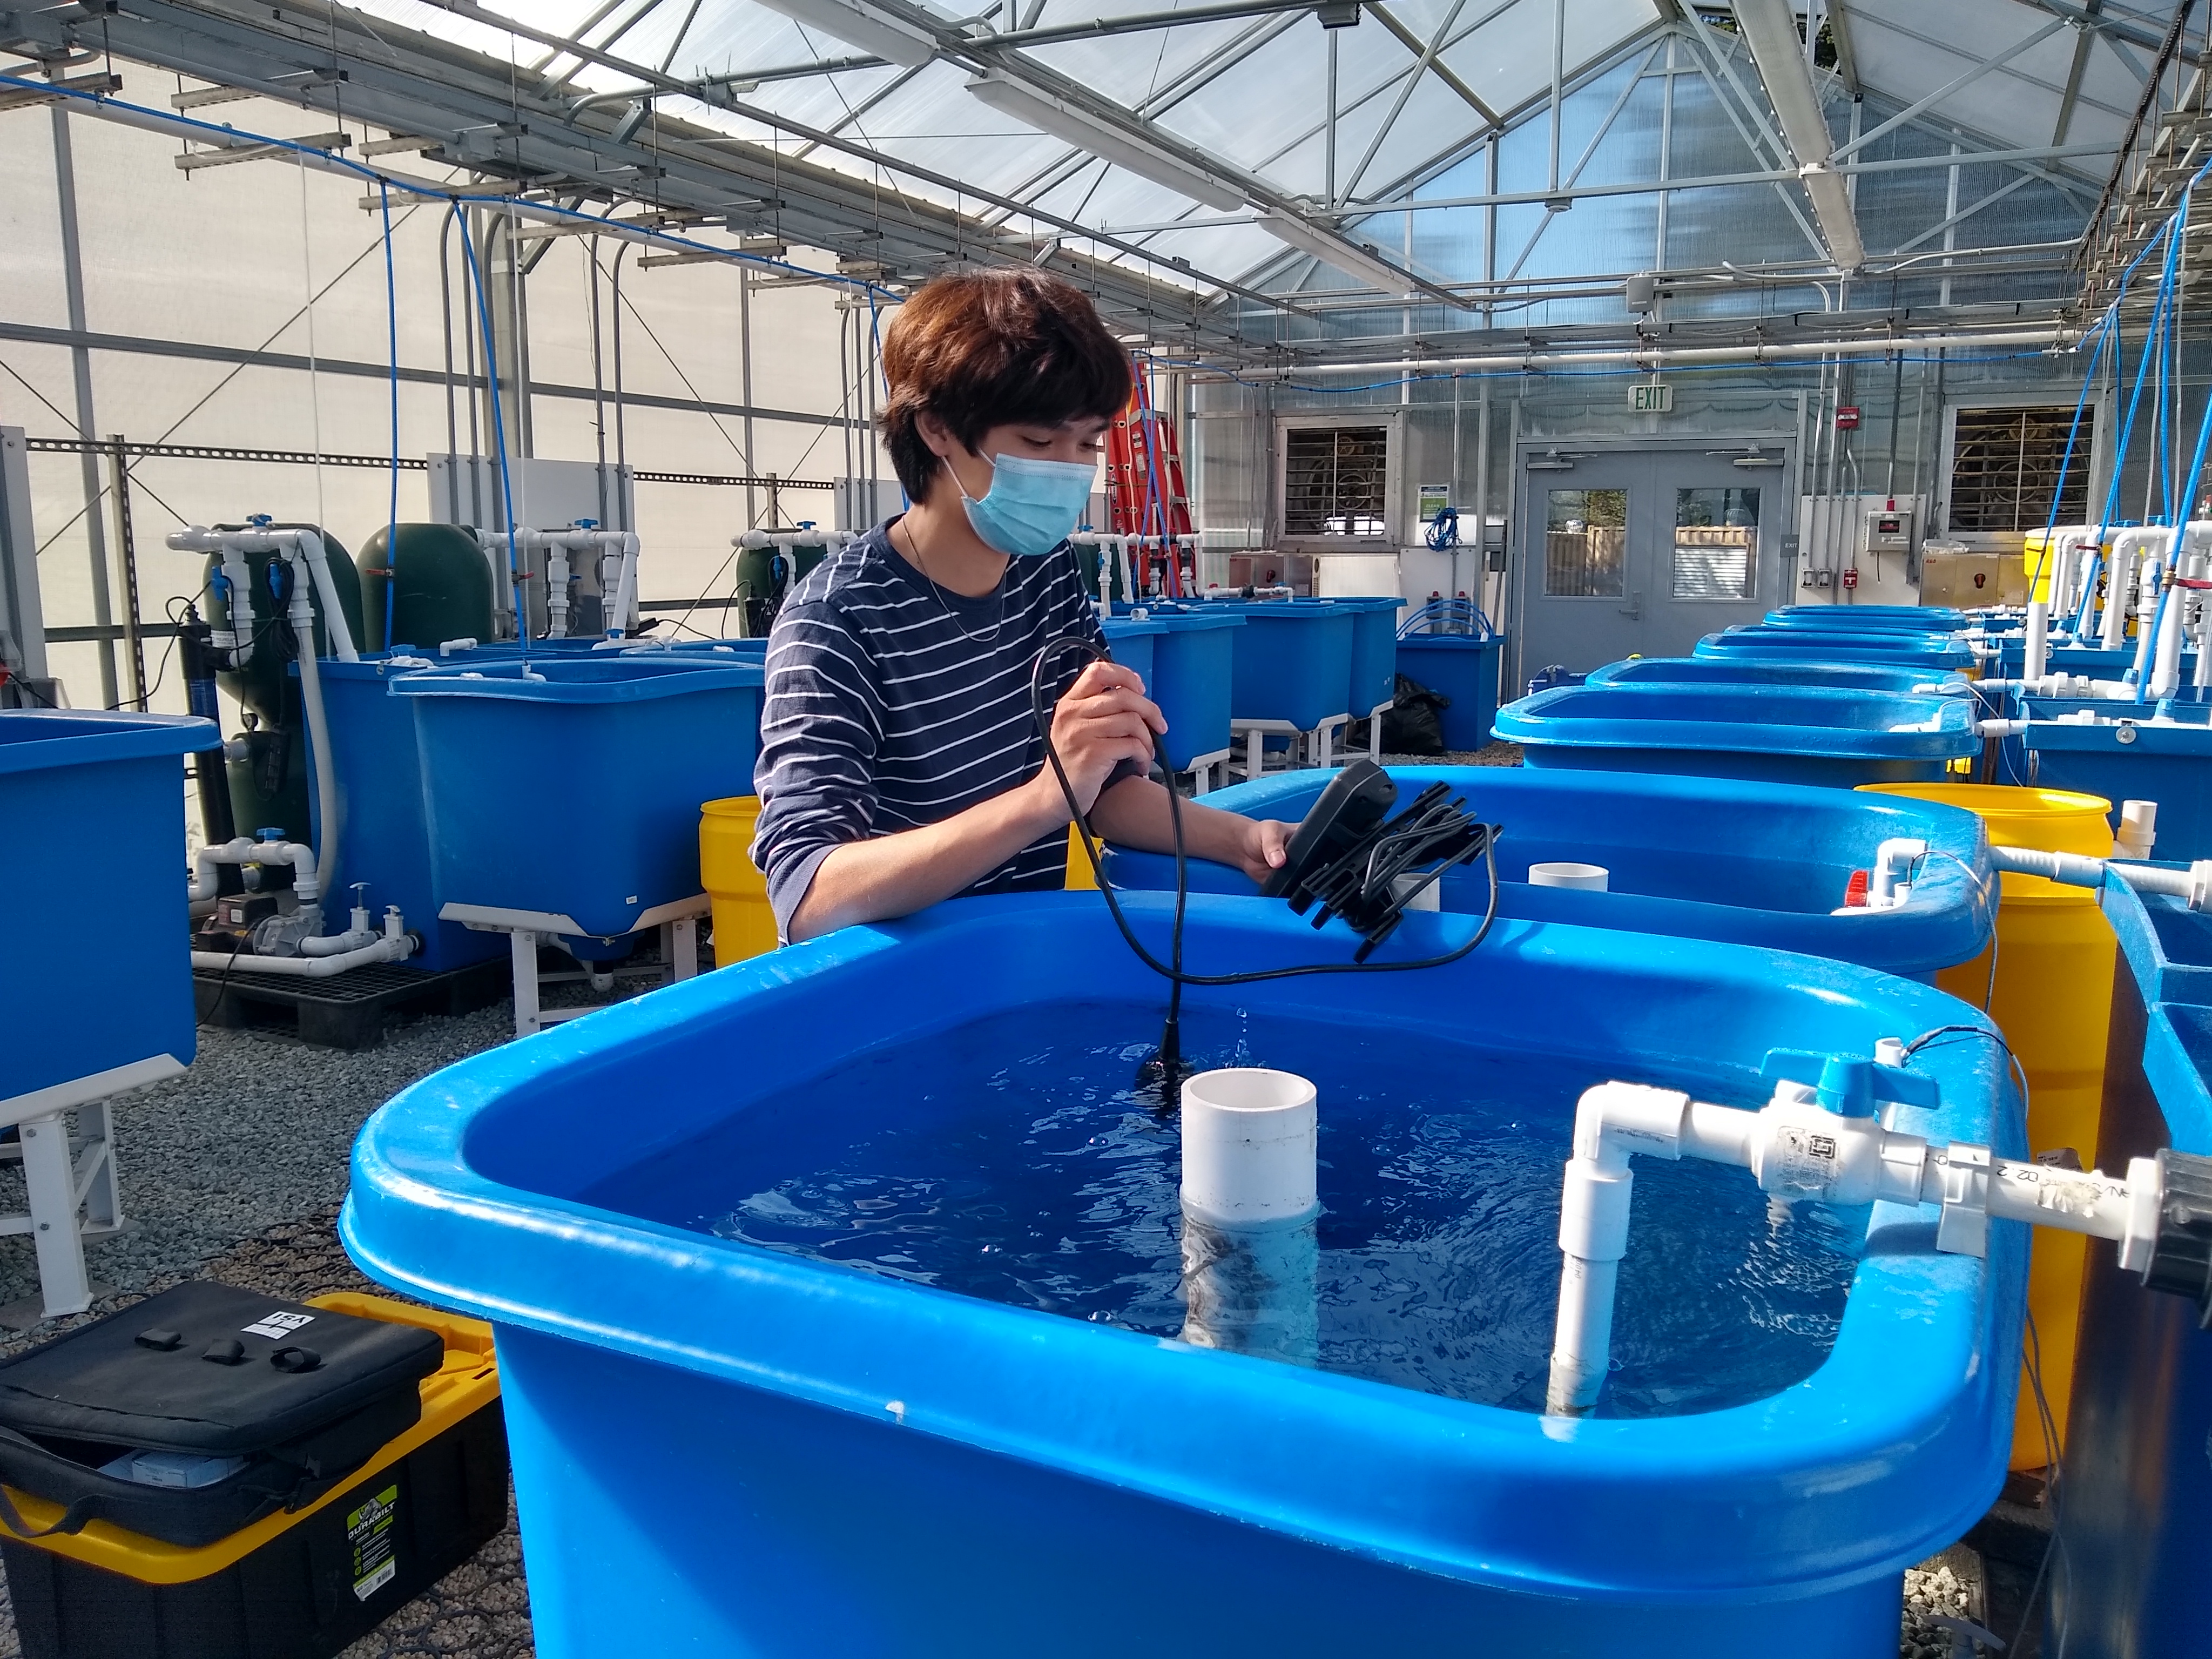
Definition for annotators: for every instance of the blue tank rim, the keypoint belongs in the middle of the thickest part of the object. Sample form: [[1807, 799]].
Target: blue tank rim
[[45, 739], [643, 680], [1901, 1433], [1534, 719], [1947, 923]]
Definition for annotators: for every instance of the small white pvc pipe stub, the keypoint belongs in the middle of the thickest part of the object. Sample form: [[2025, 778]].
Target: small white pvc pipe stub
[[1250, 1204], [1564, 872], [1250, 1140], [2138, 829]]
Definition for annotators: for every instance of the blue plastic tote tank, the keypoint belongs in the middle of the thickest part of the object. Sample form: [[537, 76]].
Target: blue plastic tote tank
[[1293, 662], [1764, 864], [573, 785], [1927, 652], [1893, 618], [1753, 672], [1374, 652], [721, 1448], [386, 837], [95, 802], [1780, 734], [2092, 660], [1130, 642], [1464, 669], [2138, 1483], [1193, 662], [2160, 751]]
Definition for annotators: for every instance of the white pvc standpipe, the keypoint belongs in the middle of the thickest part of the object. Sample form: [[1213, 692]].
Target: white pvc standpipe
[[1250, 1204], [1565, 872], [2038, 657], [1251, 1146]]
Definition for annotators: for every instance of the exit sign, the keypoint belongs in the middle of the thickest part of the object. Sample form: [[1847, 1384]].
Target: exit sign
[[1651, 399]]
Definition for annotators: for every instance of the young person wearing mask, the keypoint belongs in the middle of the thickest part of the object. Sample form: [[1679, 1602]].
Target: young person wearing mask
[[899, 760]]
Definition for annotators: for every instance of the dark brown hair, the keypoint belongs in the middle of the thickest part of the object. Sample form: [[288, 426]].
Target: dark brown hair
[[994, 347]]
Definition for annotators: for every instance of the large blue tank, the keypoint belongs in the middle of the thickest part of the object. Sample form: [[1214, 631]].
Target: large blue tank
[[1694, 858], [720, 1448], [2138, 1484], [96, 979], [1927, 652], [1746, 672], [1779, 734]]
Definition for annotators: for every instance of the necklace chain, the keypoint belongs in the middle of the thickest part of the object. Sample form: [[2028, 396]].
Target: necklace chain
[[946, 604]]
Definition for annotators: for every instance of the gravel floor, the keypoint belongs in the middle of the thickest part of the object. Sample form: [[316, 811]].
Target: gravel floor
[[236, 1170]]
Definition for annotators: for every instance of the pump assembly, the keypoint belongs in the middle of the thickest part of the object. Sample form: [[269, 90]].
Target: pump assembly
[[1819, 1137]]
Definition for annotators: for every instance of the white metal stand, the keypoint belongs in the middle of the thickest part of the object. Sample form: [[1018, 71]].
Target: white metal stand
[[1375, 729], [1255, 734], [1320, 742], [1314, 748], [678, 922], [69, 1179], [1202, 766]]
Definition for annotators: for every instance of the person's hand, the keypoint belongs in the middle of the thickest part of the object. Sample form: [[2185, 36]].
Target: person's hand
[[1105, 719], [1266, 843]]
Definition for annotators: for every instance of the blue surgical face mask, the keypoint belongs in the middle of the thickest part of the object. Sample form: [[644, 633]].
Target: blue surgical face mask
[[1032, 506]]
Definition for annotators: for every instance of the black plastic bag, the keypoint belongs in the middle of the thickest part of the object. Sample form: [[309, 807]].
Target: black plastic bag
[[1413, 724]]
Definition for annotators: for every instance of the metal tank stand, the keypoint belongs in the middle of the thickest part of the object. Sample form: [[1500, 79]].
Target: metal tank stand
[[1201, 770], [678, 922], [1375, 728], [69, 1181]]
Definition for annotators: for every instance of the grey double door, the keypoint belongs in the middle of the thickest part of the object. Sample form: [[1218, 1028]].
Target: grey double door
[[1639, 552]]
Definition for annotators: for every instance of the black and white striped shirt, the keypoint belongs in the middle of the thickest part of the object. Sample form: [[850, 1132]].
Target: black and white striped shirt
[[892, 703]]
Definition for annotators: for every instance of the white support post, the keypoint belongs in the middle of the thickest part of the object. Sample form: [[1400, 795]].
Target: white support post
[[522, 944], [50, 1176], [679, 946]]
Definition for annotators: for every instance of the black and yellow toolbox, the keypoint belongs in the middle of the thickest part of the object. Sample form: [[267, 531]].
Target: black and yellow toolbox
[[213, 1473]]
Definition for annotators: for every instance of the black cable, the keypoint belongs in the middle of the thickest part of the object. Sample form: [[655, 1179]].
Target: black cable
[[1173, 971]]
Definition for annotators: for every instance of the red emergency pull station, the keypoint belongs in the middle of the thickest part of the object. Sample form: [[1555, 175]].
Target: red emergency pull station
[[1851, 578], [1847, 416]]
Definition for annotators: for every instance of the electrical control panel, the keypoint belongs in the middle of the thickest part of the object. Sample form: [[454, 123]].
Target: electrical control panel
[[1888, 529]]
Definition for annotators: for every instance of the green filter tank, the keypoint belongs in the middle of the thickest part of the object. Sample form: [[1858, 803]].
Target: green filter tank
[[268, 785], [440, 587]]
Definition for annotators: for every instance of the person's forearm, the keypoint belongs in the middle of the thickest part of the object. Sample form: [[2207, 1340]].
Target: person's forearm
[[1135, 813], [898, 874]]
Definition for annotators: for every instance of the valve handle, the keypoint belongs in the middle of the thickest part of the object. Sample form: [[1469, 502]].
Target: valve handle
[[1849, 1087]]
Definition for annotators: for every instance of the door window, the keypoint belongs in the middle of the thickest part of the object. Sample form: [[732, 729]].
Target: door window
[[1586, 545], [1716, 544]]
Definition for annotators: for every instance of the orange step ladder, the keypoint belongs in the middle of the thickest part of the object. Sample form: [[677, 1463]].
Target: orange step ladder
[[1145, 497]]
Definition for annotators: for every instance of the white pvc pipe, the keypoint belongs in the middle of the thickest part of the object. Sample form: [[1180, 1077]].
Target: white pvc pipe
[[1565, 872], [2165, 676], [1251, 1146], [2147, 592], [1252, 1290], [318, 734], [1250, 1204], [2138, 831], [307, 543], [2131, 548], [244, 850], [557, 592], [384, 949], [2036, 660]]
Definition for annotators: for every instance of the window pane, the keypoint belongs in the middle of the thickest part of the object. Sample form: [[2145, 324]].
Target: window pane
[[1586, 544], [1716, 542], [2005, 464], [1334, 479]]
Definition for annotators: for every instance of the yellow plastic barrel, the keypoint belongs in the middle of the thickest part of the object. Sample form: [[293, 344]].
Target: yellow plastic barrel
[[2051, 996], [743, 925]]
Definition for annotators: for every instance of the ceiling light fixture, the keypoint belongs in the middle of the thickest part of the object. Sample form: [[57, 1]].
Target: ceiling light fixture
[[1108, 143], [1348, 258], [899, 42]]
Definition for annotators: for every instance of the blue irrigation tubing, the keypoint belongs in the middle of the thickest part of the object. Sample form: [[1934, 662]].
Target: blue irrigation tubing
[[499, 439], [230, 136], [2105, 333], [392, 329], [2150, 348]]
